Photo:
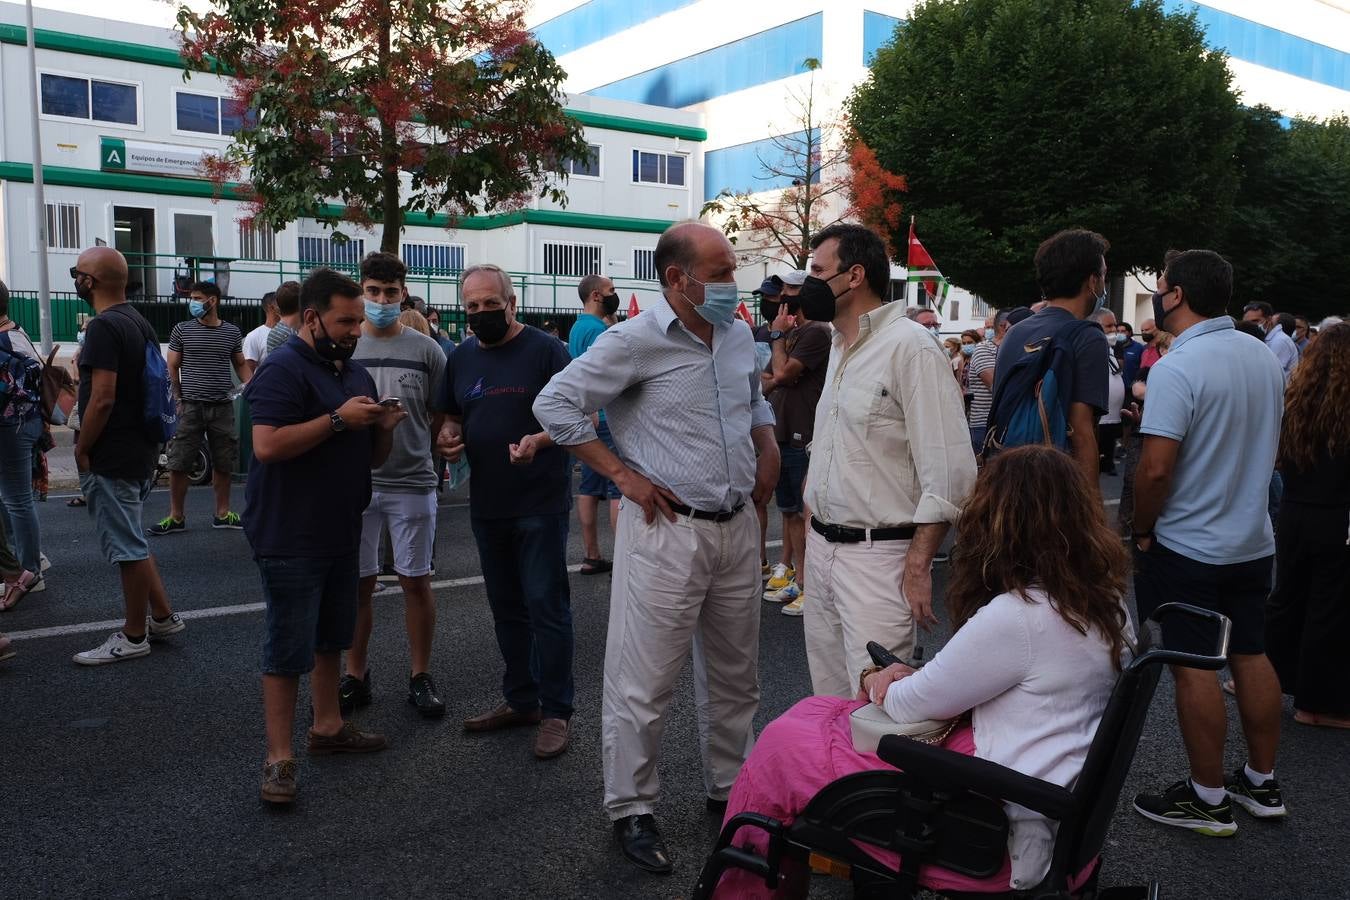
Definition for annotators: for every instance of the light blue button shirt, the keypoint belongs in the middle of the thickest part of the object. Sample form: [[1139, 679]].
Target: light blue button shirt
[[1221, 394]]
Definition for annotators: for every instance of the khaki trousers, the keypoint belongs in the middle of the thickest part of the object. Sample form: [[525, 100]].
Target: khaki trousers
[[854, 596], [679, 584]]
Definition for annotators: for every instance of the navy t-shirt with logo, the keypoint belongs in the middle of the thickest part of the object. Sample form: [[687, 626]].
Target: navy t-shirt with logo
[[493, 390]]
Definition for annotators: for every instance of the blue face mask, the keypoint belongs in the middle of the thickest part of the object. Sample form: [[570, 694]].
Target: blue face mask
[[989, 334], [196, 308], [719, 301], [79, 338], [381, 315], [968, 349]]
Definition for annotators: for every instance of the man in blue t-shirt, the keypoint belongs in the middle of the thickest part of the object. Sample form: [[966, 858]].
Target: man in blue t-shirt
[[597, 300], [1202, 536], [318, 430], [519, 503]]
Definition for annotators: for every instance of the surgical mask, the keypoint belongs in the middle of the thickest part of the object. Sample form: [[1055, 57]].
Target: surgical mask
[[490, 325], [1114, 338], [968, 349], [989, 334], [328, 348], [196, 309], [818, 301], [381, 315], [611, 304], [79, 338], [719, 301], [1099, 301], [933, 328]]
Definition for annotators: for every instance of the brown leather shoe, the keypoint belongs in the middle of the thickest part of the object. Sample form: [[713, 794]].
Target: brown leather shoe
[[501, 717], [278, 782], [347, 740], [551, 739]]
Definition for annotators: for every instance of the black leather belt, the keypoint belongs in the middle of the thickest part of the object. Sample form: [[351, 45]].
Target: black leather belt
[[844, 534], [681, 510]]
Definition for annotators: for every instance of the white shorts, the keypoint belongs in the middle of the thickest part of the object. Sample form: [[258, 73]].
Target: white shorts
[[411, 520]]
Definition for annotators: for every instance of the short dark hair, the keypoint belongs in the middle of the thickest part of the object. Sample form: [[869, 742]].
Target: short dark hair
[[1299, 317], [674, 248], [1066, 259], [589, 285], [322, 285], [208, 288], [4, 299], [1204, 276], [1128, 327], [288, 298], [381, 266], [859, 246], [1260, 306], [269, 299], [1250, 328], [1287, 323]]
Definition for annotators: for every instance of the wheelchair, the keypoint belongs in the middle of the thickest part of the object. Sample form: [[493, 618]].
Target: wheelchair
[[946, 809]]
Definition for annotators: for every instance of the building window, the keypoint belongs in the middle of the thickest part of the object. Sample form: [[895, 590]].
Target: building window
[[257, 241], [588, 167], [644, 263], [194, 235], [433, 259], [572, 260], [207, 113], [86, 98], [658, 168], [63, 226], [329, 250]]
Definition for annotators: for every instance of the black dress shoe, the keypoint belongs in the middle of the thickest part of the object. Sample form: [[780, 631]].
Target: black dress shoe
[[422, 694], [641, 843]]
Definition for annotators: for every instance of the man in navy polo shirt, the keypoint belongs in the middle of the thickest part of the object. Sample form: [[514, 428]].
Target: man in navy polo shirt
[[318, 430]]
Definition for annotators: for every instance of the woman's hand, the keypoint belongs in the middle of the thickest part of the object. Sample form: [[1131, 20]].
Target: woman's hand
[[876, 684]]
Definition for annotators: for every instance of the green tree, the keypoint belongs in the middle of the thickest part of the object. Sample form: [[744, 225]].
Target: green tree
[[1291, 223], [1012, 119], [388, 106]]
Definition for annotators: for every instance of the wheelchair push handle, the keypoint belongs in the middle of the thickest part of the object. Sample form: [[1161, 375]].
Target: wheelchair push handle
[[883, 657], [1213, 662]]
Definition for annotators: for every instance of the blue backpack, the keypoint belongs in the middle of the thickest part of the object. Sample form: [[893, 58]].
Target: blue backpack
[[20, 384], [1031, 404], [159, 410]]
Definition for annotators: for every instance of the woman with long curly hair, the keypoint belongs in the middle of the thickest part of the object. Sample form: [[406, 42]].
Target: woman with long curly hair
[[1308, 615], [1037, 602]]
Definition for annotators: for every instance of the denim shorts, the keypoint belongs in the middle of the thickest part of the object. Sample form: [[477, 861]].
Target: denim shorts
[[115, 505], [311, 608], [593, 484], [791, 478]]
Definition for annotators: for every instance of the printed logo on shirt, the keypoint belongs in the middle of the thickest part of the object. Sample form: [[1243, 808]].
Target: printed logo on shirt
[[479, 391]]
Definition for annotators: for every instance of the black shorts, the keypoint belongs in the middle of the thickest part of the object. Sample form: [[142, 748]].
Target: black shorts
[[1238, 591]]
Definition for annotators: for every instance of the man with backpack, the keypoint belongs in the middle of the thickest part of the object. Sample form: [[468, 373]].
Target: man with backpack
[[1050, 385], [123, 384]]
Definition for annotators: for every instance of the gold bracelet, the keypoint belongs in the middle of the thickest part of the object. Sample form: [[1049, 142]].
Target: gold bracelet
[[870, 670]]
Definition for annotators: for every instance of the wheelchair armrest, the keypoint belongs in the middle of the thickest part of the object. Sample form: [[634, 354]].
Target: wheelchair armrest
[[944, 769]]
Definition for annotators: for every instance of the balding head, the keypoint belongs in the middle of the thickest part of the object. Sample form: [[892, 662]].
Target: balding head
[[688, 245], [106, 265]]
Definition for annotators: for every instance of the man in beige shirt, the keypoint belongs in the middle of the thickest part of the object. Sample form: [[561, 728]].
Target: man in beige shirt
[[891, 464]]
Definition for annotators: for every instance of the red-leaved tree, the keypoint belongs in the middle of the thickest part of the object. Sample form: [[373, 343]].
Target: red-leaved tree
[[385, 106], [874, 192]]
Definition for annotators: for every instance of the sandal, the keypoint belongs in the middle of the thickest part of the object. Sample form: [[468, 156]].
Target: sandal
[[15, 591], [596, 566], [77, 502]]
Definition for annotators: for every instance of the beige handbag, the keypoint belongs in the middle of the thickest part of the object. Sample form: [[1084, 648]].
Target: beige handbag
[[870, 724]]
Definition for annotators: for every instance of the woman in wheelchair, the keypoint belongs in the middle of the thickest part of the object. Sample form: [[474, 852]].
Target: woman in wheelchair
[[1036, 598]]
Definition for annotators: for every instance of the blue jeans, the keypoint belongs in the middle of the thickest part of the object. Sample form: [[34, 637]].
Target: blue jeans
[[524, 565], [791, 478], [16, 487], [311, 608]]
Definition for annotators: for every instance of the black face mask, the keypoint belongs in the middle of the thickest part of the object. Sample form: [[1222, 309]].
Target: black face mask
[[490, 325], [328, 348], [817, 299], [84, 289], [611, 304], [1147, 337], [1159, 314], [768, 309]]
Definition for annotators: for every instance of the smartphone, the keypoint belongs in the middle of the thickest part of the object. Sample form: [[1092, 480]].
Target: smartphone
[[391, 401]]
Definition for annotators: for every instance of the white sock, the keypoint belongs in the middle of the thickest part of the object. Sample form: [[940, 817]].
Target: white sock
[[1212, 796], [1256, 778]]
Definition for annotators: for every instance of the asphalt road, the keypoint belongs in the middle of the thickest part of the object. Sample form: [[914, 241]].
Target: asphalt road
[[140, 779]]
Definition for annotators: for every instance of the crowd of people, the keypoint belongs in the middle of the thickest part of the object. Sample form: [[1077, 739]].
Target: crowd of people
[[874, 440]]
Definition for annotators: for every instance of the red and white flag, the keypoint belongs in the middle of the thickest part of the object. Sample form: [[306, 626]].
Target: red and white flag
[[632, 306], [743, 313], [923, 270]]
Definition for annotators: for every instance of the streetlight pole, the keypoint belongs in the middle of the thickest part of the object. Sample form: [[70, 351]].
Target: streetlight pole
[[40, 197]]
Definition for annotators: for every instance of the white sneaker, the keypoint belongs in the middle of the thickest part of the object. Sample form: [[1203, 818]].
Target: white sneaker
[[797, 608], [45, 564], [115, 649], [786, 595], [155, 629]]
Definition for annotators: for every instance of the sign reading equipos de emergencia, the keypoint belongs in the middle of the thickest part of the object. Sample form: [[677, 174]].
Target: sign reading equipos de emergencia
[[117, 155]]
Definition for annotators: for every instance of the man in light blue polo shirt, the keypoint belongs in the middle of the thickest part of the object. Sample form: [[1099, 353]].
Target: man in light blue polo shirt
[[1202, 536]]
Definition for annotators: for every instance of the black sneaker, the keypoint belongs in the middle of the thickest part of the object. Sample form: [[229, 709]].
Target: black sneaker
[[166, 525], [1180, 807], [1262, 801], [353, 692], [230, 520], [422, 694]]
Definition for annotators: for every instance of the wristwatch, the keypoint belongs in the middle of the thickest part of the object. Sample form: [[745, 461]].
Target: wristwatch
[[336, 422], [775, 335]]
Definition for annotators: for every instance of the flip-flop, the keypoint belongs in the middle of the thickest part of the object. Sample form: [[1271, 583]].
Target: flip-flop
[[595, 566], [77, 502]]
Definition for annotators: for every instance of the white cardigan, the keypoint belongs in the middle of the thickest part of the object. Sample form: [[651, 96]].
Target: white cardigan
[[1037, 689]]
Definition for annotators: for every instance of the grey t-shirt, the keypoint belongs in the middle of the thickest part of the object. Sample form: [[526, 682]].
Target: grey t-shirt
[[410, 366], [280, 334]]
